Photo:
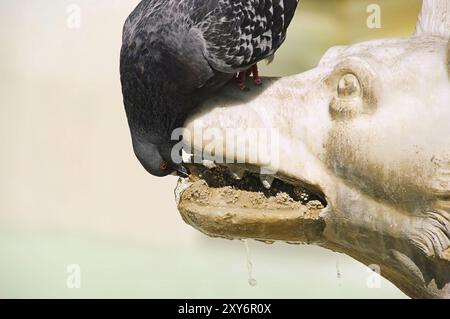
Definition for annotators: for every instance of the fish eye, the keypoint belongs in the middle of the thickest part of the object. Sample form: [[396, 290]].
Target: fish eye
[[163, 166], [348, 86], [355, 88], [348, 100]]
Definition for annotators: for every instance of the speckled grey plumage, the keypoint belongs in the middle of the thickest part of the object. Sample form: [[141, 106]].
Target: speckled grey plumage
[[176, 51]]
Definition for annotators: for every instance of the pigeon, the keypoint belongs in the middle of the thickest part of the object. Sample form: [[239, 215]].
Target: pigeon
[[175, 53]]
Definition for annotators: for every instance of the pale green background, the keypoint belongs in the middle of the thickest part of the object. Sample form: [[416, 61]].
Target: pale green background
[[71, 191]]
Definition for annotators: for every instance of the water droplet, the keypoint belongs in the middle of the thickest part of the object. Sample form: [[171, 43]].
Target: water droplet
[[251, 281], [338, 270]]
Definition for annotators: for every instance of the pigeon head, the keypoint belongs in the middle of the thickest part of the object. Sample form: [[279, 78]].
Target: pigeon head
[[156, 159]]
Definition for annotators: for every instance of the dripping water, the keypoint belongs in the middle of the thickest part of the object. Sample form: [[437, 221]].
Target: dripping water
[[251, 281], [338, 270]]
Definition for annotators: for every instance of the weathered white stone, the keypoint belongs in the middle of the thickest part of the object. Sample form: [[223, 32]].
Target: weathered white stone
[[378, 147]]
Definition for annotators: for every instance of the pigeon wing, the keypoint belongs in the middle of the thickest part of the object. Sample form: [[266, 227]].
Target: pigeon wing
[[240, 33]]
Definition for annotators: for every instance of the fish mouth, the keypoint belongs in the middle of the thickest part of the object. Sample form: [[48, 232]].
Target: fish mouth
[[235, 201]]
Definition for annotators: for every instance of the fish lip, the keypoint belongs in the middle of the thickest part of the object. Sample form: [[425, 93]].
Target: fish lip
[[204, 207]]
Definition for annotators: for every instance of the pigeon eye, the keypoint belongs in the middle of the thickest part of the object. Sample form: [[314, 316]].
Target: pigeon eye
[[163, 166], [349, 86]]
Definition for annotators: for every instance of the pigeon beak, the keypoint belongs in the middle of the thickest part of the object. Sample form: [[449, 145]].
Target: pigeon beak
[[182, 171]]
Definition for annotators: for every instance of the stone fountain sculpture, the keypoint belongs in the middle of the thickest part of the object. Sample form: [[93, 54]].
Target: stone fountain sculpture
[[363, 161]]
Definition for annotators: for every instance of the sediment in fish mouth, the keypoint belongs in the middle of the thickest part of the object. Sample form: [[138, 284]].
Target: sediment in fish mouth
[[236, 202]]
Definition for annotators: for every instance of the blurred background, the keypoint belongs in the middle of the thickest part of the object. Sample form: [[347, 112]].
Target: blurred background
[[72, 192]]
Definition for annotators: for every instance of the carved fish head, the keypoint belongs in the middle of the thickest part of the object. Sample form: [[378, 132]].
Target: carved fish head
[[365, 135]]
